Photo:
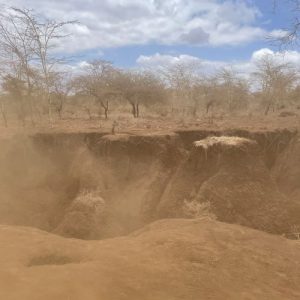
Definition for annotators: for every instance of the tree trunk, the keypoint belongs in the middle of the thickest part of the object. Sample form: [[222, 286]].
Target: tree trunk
[[29, 99], [89, 113], [60, 109], [21, 112], [3, 114], [105, 106], [135, 109], [49, 100], [31, 112], [267, 109], [59, 114], [208, 106], [106, 113]]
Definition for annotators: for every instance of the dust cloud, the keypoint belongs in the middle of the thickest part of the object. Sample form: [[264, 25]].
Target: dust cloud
[[161, 198]]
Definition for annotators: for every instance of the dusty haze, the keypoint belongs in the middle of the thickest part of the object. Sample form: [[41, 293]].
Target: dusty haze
[[170, 173]]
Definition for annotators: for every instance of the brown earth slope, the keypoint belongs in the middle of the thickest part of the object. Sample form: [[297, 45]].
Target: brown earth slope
[[228, 176], [168, 259], [287, 174]]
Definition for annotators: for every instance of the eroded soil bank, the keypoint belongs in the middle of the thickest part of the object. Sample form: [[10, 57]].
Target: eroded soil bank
[[97, 185]]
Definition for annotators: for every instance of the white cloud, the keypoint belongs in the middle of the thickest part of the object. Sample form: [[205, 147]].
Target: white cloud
[[257, 55], [114, 23], [288, 56], [159, 60], [244, 68], [278, 34], [230, 34]]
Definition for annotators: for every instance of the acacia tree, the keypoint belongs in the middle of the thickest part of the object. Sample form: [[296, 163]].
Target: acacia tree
[[275, 80], [44, 34], [27, 42], [140, 88], [233, 89], [16, 49], [15, 88], [185, 83], [207, 92], [3, 110], [62, 86], [99, 83], [294, 97]]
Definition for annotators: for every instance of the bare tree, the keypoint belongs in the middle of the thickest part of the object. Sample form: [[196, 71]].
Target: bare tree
[[16, 49], [62, 86], [290, 34], [207, 91], [294, 97], [99, 82], [15, 88], [183, 79], [38, 36], [233, 89], [140, 88], [275, 80], [3, 110]]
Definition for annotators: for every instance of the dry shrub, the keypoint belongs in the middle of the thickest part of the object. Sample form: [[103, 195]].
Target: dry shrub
[[196, 209], [84, 217]]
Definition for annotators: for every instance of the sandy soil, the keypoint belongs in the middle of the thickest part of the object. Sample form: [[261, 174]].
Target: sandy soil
[[169, 259], [76, 179], [152, 125]]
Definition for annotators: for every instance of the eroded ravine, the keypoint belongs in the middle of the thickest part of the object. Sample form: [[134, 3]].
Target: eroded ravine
[[94, 186]]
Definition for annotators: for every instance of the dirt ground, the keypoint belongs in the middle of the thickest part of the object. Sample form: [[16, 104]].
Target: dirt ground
[[155, 124], [158, 209], [170, 259]]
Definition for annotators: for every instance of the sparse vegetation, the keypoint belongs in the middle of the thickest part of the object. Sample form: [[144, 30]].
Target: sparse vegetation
[[36, 87], [195, 209]]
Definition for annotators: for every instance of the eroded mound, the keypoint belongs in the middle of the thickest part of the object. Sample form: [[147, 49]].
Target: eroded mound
[[84, 217], [169, 259], [227, 175]]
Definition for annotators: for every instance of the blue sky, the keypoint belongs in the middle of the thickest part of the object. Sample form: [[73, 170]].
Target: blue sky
[[270, 20], [134, 33]]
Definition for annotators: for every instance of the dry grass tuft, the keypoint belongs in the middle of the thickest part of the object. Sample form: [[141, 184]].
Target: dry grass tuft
[[196, 209], [223, 141]]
